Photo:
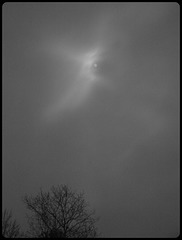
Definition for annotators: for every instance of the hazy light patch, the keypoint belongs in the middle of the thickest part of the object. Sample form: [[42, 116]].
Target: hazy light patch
[[78, 73], [80, 77], [81, 66], [89, 65]]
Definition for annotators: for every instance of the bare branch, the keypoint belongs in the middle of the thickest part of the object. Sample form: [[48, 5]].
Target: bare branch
[[60, 213], [10, 228]]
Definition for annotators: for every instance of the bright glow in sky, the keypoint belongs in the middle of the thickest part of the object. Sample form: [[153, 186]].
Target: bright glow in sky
[[88, 65], [81, 69]]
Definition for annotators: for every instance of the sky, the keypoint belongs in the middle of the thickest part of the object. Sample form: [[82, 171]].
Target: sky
[[90, 97]]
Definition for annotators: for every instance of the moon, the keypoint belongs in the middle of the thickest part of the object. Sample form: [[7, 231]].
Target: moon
[[89, 65]]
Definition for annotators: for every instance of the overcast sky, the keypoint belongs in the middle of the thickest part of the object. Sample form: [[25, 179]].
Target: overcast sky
[[91, 99]]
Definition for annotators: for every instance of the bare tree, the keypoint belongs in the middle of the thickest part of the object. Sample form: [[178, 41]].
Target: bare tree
[[10, 228], [60, 213]]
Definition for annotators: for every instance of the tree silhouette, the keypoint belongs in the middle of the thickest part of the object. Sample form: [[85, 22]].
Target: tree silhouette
[[10, 228], [60, 213]]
